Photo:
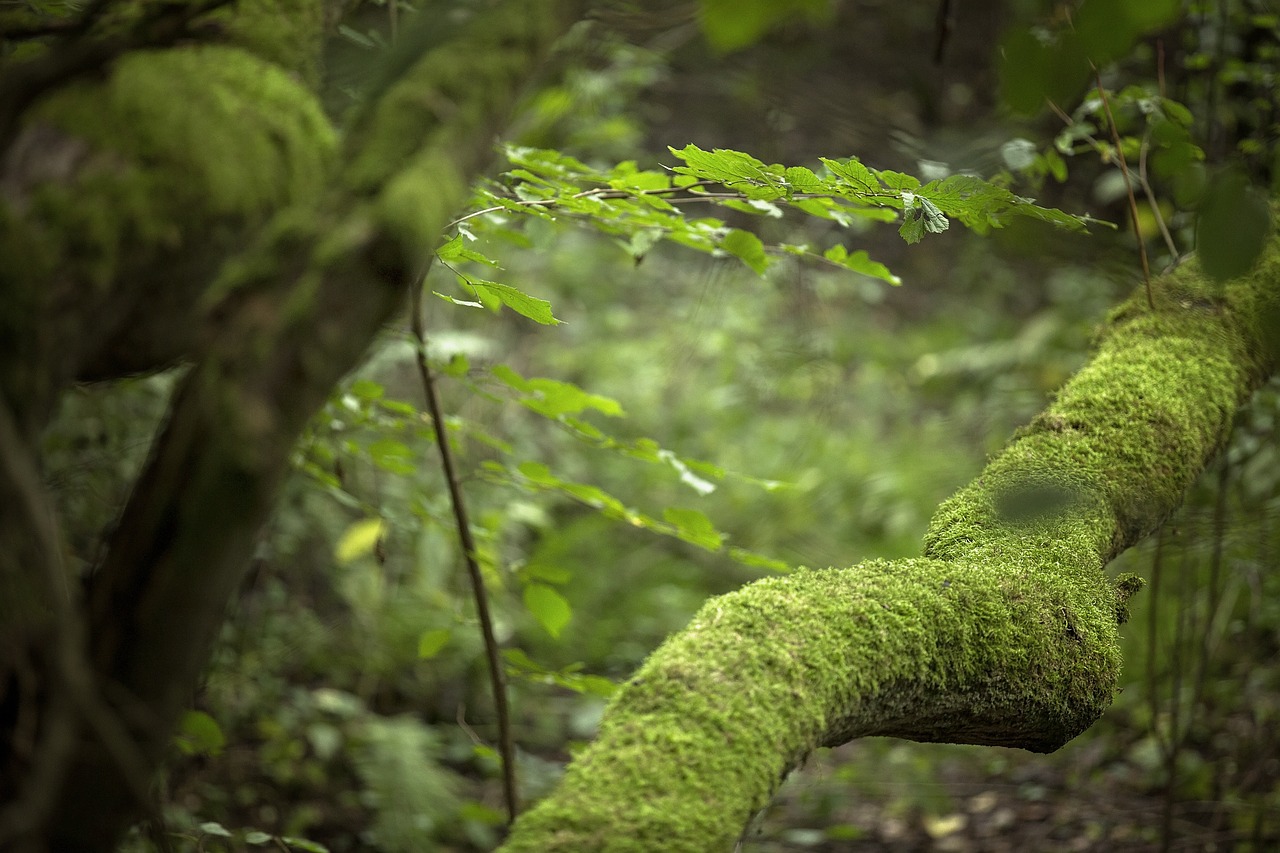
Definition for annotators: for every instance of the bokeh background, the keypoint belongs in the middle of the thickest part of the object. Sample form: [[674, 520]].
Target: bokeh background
[[347, 704]]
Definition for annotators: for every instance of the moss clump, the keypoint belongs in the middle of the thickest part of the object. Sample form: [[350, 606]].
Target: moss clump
[[287, 33], [171, 140]]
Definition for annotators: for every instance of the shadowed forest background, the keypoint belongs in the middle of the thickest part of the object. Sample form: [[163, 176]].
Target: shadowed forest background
[[814, 416]]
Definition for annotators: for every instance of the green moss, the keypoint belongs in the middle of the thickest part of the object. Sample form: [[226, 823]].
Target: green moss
[[1005, 633], [453, 90], [288, 33], [172, 138]]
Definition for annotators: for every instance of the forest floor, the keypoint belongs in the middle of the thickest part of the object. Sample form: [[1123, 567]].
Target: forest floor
[[926, 801]]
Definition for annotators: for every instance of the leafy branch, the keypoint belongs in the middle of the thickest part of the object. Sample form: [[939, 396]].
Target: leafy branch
[[496, 670], [644, 207]]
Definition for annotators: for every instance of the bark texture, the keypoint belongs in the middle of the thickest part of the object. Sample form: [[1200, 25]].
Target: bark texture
[[1004, 632], [193, 203]]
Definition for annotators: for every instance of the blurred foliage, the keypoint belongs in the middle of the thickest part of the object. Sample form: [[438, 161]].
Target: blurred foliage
[[690, 425]]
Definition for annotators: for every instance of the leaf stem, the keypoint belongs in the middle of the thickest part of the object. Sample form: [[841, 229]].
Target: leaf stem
[[1128, 185]]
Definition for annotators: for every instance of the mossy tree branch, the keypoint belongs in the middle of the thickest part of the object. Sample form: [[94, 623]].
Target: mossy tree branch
[[1004, 633]]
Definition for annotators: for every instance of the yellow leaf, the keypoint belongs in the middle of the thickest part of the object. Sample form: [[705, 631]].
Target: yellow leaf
[[359, 540]]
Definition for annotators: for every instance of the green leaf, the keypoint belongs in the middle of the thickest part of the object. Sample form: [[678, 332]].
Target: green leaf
[[860, 262], [1232, 226], [480, 813], [747, 248], [553, 398], [1035, 67], [393, 456], [724, 166], [215, 828], [431, 642], [803, 180], [547, 606], [694, 527], [367, 389], [359, 540], [1151, 14], [920, 216], [456, 251], [852, 173], [760, 561], [304, 844], [257, 838], [538, 310], [200, 734], [733, 24]]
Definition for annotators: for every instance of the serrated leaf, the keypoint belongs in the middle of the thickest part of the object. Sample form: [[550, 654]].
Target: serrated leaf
[[358, 540], [431, 642], [548, 606], [920, 215], [803, 180], [723, 165], [853, 173]]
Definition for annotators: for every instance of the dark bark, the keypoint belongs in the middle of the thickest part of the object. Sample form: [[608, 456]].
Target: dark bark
[[130, 244]]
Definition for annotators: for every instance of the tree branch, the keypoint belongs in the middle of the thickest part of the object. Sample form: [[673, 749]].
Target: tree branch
[[1004, 633]]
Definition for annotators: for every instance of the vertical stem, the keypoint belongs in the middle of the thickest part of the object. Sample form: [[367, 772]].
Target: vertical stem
[[497, 679], [1128, 185]]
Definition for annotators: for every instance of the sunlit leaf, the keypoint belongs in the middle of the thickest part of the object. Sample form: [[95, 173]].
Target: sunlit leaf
[[359, 540], [547, 606], [694, 527], [431, 642], [393, 456], [746, 247], [214, 828]]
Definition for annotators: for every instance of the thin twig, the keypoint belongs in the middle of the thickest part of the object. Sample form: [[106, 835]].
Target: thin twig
[[1151, 198], [1128, 185], [497, 674], [946, 23]]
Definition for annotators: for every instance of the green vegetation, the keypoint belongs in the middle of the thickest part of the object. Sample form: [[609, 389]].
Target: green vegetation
[[627, 525]]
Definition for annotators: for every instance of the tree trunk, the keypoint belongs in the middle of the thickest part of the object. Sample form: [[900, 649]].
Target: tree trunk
[[193, 203], [1003, 633]]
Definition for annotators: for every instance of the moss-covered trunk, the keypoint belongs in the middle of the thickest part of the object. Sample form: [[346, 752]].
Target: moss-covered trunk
[[1004, 633], [165, 202]]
